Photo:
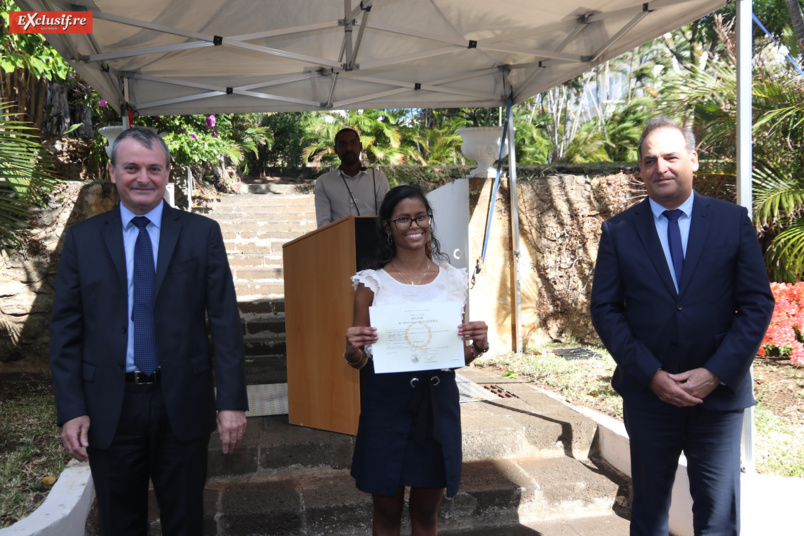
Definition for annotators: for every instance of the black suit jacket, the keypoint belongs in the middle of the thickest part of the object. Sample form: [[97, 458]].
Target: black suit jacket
[[718, 319], [89, 325]]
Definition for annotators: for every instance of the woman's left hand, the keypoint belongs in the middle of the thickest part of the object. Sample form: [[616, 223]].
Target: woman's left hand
[[476, 331]]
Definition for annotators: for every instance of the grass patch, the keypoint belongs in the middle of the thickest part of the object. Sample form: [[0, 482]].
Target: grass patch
[[779, 443], [31, 455], [580, 381]]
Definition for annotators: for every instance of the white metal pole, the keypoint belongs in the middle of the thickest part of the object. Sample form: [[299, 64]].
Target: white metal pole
[[744, 168], [517, 320]]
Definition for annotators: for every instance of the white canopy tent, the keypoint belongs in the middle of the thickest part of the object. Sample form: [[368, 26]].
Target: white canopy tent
[[162, 57], [225, 56]]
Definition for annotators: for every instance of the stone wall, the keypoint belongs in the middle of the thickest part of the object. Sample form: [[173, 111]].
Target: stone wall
[[27, 279], [559, 225]]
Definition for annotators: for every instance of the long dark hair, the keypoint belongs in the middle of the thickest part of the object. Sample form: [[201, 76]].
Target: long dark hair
[[387, 250]]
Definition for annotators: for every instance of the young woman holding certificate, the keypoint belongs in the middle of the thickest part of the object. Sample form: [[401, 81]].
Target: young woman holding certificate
[[409, 433]]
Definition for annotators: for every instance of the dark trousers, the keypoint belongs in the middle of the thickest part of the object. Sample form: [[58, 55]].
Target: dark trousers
[[144, 447], [711, 442]]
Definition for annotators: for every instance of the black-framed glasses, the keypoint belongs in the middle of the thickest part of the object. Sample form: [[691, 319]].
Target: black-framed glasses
[[403, 224]]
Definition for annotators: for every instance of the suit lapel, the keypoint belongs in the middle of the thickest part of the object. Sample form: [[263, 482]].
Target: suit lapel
[[646, 229], [168, 238], [113, 238], [699, 231]]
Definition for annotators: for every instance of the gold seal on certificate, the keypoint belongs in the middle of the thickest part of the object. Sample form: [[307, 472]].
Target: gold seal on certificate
[[416, 336]]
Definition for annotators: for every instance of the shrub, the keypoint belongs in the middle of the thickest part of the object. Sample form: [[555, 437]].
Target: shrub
[[784, 336]]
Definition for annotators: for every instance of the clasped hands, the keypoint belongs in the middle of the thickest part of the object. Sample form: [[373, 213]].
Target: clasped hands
[[684, 389]]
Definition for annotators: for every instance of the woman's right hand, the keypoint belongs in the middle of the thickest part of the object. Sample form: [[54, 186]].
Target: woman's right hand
[[357, 337]]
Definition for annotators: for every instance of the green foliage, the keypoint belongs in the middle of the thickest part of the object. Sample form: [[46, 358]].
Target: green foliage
[[381, 132], [710, 96], [26, 176], [196, 140], [288, 129], [531, 140], [29, 51], [435, 137]]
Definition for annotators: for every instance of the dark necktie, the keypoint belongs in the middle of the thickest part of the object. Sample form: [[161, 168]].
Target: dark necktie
[[674, 239], [143, 311]]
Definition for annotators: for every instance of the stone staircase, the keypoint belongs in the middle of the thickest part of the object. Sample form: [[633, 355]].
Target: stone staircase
[[254, 226], [529, 464]]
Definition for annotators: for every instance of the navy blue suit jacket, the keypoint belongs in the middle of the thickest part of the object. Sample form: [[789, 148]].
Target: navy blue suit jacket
[[718, 319], [89, 325]]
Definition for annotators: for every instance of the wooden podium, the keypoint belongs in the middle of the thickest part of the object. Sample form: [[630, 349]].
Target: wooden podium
[[323, 391]]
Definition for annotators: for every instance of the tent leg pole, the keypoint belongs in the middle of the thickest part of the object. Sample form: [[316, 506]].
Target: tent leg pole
[[517, 309], [744, 170]]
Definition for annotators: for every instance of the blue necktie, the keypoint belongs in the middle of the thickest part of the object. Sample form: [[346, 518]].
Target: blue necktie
[[674, 239], [143, 311]]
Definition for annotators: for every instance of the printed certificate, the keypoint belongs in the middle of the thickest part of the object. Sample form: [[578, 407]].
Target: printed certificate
[[417, 336]]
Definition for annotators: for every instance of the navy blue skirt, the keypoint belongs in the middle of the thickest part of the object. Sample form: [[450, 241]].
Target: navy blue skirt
[[409, 433]]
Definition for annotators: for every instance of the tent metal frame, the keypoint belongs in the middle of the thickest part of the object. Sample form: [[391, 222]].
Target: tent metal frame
[[347, 62]]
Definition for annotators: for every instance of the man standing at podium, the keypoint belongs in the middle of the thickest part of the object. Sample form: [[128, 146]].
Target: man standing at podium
[[350, 188]]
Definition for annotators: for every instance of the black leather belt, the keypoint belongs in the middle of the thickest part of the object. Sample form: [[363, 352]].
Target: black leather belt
[[140, 378]]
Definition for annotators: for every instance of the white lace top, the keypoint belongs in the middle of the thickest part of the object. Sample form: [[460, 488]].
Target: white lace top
[[450, 285]]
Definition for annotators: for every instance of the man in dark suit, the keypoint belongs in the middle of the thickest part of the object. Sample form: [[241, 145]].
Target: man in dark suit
[[129, 350], [681, 300]]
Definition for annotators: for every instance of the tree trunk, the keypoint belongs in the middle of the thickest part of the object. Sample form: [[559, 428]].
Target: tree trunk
[[797, 18]]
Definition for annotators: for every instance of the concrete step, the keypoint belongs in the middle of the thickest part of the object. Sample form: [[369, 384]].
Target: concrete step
[[293, 197], [269, 247], [250, 289], [270, 224], [267, 189], [599, 525], [286, 479], [254, 260], [250, 235], [292, 480], [325, 500], [266, 369], [265, 214], [262, 344], [527, 424], [262, 274], [258, 324], [261, 306]]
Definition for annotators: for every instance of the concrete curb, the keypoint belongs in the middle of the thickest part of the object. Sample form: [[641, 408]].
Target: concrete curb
[[64, 512], [768, 504]]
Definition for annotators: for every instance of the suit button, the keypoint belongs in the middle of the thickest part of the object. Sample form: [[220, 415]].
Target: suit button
[[679, 307], [674, 345]]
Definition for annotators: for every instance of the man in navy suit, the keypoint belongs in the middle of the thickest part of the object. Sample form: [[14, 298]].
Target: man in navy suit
[[681, 300], [130, 352]]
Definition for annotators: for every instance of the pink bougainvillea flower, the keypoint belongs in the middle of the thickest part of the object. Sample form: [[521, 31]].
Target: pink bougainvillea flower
[[193, 136], [787, 323], [211, 121], [102, 103]]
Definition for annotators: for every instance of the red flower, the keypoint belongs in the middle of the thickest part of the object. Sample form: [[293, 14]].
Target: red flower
[[787, 324]]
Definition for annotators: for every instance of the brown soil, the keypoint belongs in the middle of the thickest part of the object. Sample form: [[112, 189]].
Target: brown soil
[[779, 387]]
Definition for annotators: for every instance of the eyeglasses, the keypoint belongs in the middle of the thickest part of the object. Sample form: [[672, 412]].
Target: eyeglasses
[[403, 224]]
